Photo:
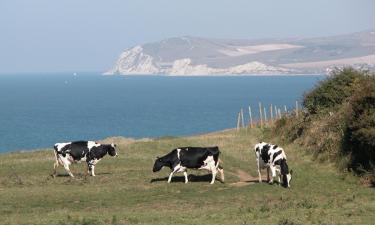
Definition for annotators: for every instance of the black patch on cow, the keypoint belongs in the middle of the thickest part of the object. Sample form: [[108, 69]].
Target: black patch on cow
[[275, 146], [284, 171], [284, 167], [276, 154], [189, 157], [257, 149], [264, 153], [194, 158]]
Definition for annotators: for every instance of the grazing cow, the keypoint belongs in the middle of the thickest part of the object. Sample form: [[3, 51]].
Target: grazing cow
[[273, 158], [89, 151], [181, 159]]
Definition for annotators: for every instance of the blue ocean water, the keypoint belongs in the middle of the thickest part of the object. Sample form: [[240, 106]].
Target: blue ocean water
[[40, 110]]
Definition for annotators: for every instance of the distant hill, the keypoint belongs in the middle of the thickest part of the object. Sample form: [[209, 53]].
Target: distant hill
[[206, 56]]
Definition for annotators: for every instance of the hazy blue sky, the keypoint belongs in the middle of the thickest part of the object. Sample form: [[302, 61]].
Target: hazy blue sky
[[88, 35]]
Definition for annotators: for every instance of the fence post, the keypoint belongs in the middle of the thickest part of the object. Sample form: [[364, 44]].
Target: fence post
[[271, 114], [275, 111], [260, 115], [265, 116], [243, 122], [251, 118], [238, 121]]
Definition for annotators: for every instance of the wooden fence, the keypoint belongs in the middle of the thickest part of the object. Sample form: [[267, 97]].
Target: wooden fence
[[266, 117]]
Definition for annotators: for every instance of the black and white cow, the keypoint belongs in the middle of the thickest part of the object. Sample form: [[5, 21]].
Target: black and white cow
[[81, 151], [183, 158], [273, 158]]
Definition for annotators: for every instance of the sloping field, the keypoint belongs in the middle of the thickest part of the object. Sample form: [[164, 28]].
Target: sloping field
[[125, 191]]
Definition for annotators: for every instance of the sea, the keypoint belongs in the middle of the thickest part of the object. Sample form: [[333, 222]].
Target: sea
[[39, 110]]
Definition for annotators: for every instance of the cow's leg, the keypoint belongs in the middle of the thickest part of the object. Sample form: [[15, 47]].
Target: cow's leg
[[55, 165], [170, 177], [66, 166], [88, 170], [214, 172], [268, 174], [93, 171], [259, 174], [213, 169], [278, 174], [186, 177], [221, 171], [273, 174]]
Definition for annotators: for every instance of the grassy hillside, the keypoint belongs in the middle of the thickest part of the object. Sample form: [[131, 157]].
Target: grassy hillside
[[125, 191]]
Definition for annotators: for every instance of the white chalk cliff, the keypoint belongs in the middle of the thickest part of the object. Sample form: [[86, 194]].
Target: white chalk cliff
[[202, 56]]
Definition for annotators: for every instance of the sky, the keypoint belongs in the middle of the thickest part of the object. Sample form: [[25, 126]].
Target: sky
[[43, 36]]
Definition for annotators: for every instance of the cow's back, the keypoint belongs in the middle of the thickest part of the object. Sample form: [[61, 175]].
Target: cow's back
[[194, 157], [78, 149]]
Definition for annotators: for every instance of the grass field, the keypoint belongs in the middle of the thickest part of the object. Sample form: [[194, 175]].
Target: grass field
[[125, 191]]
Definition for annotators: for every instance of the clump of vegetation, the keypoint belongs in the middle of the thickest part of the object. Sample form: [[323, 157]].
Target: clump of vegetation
[[360, 133], [338, 121], [332, 92]]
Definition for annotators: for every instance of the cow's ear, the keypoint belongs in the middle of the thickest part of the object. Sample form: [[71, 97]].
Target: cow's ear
[[157, 157]]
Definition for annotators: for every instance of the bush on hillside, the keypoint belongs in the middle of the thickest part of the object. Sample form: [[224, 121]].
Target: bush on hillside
[[332, 91], [339, 122], [360, 134]]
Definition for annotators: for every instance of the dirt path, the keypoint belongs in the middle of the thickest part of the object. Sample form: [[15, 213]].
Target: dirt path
[[245, 178]]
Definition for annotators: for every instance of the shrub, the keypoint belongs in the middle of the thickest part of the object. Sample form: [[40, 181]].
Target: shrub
[[360, 134], [339, 122], [331, 91]]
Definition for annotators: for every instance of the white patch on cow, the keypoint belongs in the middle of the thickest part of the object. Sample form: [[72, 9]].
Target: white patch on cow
[[209, 164], [59, 146], [91, 144], [178, 153], [94, 161], [83, 159]]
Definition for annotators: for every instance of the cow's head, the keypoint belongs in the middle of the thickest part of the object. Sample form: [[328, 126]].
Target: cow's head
[[159, 163], [112, 150], [287, 178], [285, 173]]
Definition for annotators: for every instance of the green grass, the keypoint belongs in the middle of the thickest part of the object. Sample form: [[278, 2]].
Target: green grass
[[122, 191]]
